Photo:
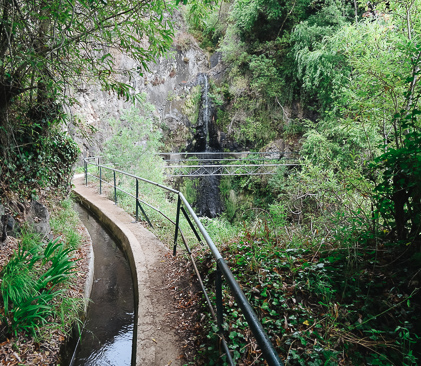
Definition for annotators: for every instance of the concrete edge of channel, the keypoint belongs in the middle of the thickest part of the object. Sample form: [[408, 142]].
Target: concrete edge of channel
[[90, 277], [127, 240], [91, 260]]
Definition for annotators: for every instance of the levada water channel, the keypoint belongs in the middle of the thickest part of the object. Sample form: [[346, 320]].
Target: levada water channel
[[107, 336]]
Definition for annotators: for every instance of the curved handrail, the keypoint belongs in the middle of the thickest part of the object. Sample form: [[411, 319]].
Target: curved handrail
[[256, 327]]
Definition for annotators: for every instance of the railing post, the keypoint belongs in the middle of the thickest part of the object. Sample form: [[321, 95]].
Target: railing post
[[137, 200], [138, 205], [177, 221], [115, 189], [191, 225], [144, 213], [218, 290], [220, 313], [86, 172], [100, 180]]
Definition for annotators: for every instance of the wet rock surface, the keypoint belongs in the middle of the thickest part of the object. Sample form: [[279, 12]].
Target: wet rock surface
[[209, 201], [207, 140]]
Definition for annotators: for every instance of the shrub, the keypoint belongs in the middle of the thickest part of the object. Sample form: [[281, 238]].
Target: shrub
[[28, 290]]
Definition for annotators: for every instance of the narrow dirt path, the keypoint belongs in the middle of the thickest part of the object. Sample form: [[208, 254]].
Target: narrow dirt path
[[157, 342]]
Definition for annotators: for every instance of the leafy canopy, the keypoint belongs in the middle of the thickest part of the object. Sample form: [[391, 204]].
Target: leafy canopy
[[56, 44]]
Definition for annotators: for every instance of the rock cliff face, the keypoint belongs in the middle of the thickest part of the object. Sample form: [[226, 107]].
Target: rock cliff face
[[179, 87], [167, 85]]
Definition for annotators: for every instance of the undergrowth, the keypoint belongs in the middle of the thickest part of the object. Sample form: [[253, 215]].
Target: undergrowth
[[35, 281], [331, 306]]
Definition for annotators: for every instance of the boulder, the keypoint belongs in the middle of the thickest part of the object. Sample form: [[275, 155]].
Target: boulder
[[39, 218], [8, 227], [215, 59]]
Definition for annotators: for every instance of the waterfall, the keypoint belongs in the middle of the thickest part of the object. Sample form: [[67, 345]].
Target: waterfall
[[209, 201], [204, 121], [206, 113]]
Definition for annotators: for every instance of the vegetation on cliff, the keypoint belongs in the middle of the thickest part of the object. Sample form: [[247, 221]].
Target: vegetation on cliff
[[42, 289]]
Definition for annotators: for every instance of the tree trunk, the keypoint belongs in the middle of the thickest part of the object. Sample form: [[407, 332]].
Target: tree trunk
[[400, 198]]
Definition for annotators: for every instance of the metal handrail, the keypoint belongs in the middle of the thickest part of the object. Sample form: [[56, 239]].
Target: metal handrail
[[256, 327], [229, 153], [225, 160], [229, 166]]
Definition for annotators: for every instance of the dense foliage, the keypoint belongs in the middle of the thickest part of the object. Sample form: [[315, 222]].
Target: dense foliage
[[274, 75], [341, 79], [28, 289], [358, 67]]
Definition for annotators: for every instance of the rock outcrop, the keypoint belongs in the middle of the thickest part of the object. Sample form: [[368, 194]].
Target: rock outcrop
[[167, 85], [39, 218], [35, 215]]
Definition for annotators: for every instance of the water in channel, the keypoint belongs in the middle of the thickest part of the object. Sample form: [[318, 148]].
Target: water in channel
[[107, 338]]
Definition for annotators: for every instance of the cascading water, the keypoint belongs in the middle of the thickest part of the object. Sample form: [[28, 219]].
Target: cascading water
[[206, 113], [209, 201]]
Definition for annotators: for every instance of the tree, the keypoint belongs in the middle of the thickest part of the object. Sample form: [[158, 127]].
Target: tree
[[47, 46], [375, 110], [398, 192]]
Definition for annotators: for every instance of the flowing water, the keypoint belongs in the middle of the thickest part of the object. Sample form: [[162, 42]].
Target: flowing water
[[107, 339], [208, 201], [206, 116]]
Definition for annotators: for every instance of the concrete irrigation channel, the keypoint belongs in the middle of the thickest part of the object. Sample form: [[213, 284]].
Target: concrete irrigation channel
[[155, 342]]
